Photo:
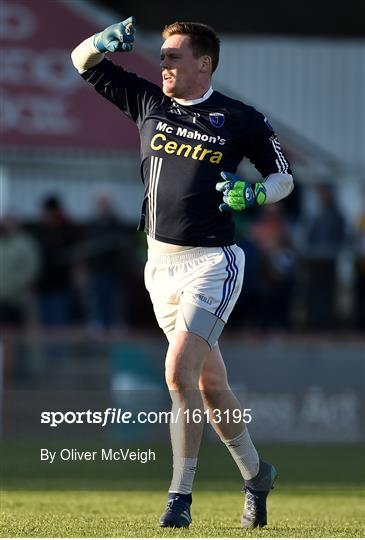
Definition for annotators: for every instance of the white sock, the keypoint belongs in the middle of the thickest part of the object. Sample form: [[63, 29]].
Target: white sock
[[183, 477], [245, 454]]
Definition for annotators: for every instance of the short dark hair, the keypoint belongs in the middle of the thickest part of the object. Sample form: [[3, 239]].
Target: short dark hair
[[203, 39], [51, 203]]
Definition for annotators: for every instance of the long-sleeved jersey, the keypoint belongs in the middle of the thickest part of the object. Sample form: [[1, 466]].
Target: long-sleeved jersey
[[183, 150]]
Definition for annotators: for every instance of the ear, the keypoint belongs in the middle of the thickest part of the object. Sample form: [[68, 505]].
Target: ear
[[206, 64]]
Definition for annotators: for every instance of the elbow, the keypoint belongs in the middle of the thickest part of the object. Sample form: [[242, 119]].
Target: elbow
[[290, 184], [73, 58], [285, 184], [278, 186]]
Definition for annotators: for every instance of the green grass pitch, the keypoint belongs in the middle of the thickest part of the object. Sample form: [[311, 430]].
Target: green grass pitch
[[319, 494], [135, 514]]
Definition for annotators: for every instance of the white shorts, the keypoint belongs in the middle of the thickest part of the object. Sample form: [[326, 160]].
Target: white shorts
[[195, 290]]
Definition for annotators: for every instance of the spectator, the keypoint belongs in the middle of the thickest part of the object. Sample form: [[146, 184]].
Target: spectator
[[275, 268], [106, 238], [325, 236], [55, 293], [359, 288], [19, 266]]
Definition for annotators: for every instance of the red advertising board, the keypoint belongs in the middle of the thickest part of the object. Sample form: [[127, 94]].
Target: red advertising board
[[43, 101]]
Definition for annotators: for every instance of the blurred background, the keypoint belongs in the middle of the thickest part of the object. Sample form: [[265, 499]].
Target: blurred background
[[74, 312]]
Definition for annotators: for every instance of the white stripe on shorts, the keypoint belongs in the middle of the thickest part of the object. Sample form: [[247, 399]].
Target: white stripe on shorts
[[230, 282]]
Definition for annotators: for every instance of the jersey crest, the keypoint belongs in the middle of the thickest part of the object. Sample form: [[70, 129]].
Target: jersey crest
[[216, 119]]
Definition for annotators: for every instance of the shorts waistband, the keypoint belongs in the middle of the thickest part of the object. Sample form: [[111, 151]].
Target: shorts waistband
[[181, 256]]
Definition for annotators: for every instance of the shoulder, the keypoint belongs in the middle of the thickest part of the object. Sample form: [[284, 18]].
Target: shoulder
[[234, 105], [244, 112], [247, 117]]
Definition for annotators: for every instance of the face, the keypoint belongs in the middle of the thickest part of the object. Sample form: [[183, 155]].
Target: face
[[183, 75]]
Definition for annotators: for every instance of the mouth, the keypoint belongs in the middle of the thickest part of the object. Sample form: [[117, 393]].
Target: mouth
[[167, 77]]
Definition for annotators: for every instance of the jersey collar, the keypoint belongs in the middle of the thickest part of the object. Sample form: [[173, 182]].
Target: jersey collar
[[207, 95]]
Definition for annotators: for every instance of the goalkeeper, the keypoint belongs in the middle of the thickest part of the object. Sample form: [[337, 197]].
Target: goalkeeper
[[192, 141]]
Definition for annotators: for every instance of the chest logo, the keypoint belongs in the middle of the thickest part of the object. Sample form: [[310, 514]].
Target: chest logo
[[216, 119]]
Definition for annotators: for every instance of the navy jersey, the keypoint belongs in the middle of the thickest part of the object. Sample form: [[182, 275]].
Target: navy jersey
[[183, 150]]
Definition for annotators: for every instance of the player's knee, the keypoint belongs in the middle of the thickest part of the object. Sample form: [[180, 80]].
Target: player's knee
[[211, 383], [180, 377]]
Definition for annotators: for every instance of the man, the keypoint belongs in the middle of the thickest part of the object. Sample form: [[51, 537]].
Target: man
[[20, 263], [190, 135]]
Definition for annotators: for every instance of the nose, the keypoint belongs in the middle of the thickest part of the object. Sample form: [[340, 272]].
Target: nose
[[164, 64]]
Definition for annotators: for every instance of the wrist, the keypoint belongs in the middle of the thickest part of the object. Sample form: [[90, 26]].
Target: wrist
[[260, 193], [98, 43]]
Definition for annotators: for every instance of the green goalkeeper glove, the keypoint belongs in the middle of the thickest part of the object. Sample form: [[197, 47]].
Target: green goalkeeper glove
[[238, 194], [117, 37]]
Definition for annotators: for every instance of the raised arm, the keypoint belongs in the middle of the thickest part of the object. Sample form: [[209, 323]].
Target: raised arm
[[117, 37], [133, 95]]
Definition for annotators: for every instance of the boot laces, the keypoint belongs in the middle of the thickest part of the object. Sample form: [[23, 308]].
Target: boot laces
[[251, 502]]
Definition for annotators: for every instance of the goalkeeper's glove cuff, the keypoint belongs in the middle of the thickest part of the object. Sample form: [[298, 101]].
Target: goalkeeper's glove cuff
[[238, 194], [260, 193]]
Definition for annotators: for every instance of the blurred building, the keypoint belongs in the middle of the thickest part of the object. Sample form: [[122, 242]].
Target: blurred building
[[59, 136], [283, 17]]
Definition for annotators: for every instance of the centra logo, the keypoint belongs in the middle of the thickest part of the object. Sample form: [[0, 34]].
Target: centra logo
[[161, 142]]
